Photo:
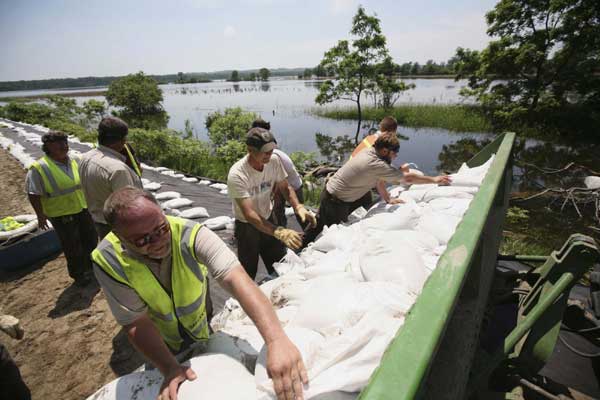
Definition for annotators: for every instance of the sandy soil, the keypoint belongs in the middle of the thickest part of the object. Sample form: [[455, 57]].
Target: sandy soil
[[72, 345]]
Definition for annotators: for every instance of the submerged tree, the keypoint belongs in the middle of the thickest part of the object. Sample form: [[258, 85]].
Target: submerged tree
[[139, 99], [544, 62], [264, 74], [355, 64]]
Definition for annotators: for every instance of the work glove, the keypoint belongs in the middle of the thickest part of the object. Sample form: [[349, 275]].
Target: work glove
[[288, 237], [10, 326], [306, 215]]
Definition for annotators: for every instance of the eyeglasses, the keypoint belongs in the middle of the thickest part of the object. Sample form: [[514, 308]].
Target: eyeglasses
[[152, 236]]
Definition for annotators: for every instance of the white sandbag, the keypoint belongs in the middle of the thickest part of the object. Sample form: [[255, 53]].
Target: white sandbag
[[219, 186], [196, 212], [178, 175], [395, 191], [476, 171], [357, 214], [167, 196], [204, 182], [336, 236], [161, 169], [418, 239], [145, 181], [224, 191], [190, 179], [465, 180], [178, 203], [289, 211], [400, 263], [172, 211], [217, 223], [440, 225], [413, 195], [592, 182], [152, 186], [168, 172], [215, 372], [148, 167], [234, 346], [459, 192], [423, 186], [333, 262], [404, 216], [451, 206]]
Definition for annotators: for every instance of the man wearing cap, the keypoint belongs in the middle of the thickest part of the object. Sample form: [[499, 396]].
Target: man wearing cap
[[251, 183], [351, 185], [105, 169], [54, 190]]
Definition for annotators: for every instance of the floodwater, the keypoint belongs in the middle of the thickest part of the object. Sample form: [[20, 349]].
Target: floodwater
[[287, 104]]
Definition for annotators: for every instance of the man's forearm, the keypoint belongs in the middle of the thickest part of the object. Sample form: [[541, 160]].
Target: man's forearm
[[418, 179], [382, 190], [36, 203], [260, 223], [144, 336], [290, 195]]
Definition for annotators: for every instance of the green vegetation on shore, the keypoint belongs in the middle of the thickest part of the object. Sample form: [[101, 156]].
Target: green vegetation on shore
[[454, 117]]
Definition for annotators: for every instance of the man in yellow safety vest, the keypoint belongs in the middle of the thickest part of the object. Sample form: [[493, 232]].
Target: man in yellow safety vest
[[54, 189], [153, 272]]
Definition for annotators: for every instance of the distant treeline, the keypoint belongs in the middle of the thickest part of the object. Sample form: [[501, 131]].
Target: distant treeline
[[93, 81], [406, 69]]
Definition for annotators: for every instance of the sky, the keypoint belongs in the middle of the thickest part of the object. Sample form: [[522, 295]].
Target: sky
[[44, 39]]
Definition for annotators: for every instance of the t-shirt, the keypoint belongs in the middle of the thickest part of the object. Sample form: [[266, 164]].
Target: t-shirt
[[126, 305], [103, 171], [293, 178], [34, 183], [245, 182], [360, 174]]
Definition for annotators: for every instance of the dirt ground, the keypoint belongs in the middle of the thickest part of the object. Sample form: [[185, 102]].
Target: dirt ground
[[72, 345]]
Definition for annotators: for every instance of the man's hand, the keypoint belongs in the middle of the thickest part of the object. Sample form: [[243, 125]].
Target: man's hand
[[286, 368], [42, 222], [396, 200], [442, 180], [10, 325], [170, 386], [305, 215], [289, 237]]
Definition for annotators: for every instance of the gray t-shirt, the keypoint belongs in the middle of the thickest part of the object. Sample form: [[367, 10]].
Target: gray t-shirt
[[360, 174], [245, 182], [124, 302]]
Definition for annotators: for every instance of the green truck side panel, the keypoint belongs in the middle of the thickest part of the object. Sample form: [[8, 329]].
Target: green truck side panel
[[453, 298]]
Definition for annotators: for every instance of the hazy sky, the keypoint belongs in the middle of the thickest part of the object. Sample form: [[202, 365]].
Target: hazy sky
[[73, 38]]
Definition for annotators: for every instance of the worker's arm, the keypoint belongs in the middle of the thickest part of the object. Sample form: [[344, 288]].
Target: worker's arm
[[415, 178], [36, 203], [290, 195], [385, 195], [288, 237], [144, 336], [284, 362]]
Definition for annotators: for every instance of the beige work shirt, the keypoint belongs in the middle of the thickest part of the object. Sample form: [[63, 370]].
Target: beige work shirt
[[244, 182], [360, 174], [124, 302], [103, 171]]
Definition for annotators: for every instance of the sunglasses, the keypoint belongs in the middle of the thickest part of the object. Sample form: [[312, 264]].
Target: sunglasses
[[152, 236]]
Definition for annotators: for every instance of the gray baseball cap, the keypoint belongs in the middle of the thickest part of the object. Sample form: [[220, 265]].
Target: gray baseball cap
[[261, 139]]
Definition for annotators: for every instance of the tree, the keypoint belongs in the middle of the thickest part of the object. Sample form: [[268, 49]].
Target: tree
[[235, 76], [231, 124], [264, 74], [387, 89], [354, 64], [543, 62], [138, 96]]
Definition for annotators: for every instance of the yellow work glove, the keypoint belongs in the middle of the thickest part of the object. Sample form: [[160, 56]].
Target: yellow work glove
[[288, 237], [306, 215]]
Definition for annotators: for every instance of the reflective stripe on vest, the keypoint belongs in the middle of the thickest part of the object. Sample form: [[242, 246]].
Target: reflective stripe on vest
[[367, 142], [134, 163], [63, 193], [185, 307]]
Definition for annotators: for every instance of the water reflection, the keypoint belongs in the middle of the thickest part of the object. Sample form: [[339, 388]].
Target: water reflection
[[265, 87]]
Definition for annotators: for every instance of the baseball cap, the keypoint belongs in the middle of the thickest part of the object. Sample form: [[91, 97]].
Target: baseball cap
[[261, 139]]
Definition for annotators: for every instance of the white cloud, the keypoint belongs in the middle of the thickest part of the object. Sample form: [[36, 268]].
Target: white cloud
[[229, 31], [343, 6]]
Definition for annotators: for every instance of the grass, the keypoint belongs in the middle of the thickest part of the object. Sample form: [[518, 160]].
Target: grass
[[454, 117]]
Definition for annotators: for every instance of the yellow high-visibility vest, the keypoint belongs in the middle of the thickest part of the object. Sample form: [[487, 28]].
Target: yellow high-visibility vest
[[185, 307], [63, 193], [367, 142]]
